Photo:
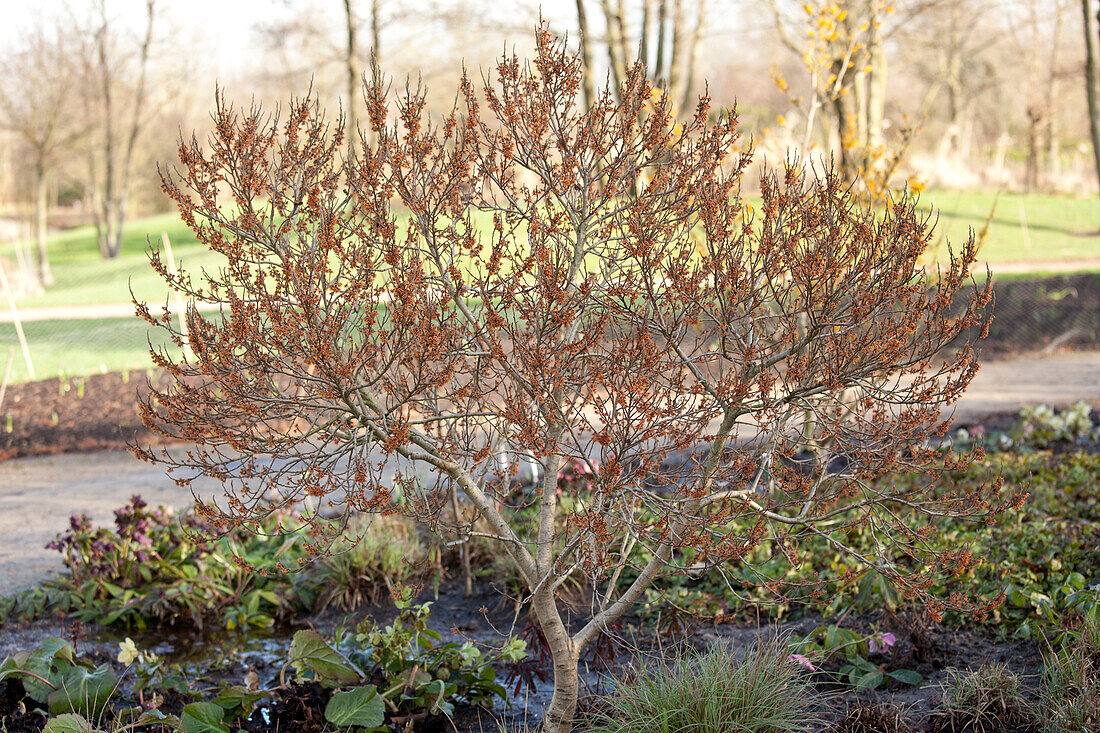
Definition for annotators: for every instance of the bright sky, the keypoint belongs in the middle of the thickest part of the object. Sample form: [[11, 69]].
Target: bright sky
[[227, 25]]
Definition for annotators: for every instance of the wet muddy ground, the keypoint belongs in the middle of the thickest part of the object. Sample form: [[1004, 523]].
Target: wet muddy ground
[[224, 657]]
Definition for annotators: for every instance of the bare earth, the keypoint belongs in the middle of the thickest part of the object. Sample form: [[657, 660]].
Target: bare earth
[[38, 494]]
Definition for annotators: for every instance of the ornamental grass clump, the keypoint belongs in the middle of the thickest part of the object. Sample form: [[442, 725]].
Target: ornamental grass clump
[[768, 692], [523, 276], [989, 699], [1070, 699]]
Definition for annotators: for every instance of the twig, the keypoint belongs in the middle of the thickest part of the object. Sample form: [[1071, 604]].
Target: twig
[[7, 373], [17, 322]]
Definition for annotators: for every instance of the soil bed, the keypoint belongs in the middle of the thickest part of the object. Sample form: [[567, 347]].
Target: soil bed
[[79, 414], [224, 657]]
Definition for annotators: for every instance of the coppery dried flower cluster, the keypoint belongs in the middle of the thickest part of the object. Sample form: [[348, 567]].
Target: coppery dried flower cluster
[[525, 278]]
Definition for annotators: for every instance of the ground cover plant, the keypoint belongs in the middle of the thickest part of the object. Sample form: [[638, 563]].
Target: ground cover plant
[[642, 310], [870, 634], [397, 677], [156, 568]]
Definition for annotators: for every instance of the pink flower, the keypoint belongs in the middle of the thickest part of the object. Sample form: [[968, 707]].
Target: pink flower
[[885, 641], [803, 661]]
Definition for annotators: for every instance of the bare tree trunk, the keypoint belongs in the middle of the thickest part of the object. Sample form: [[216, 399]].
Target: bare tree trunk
[[613, 22], [1050, 131], [647, 21], [1091, 82], [695, 50], [375, 31], [875, 110], [565, 654], [135, 130], [106, 232], [1036, 117], [352, 62], [42, 258], [675, 77], [662, 28], [845, 116], [952, 73], [586, 56]]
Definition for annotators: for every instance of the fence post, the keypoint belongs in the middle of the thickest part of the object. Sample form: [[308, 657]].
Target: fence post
[[17, 322], [181, 309], [7, 373]]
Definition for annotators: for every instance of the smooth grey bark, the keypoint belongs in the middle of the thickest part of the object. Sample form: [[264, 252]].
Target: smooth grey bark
[[115, 194], [351, 60], [41, 205], [588, 84], [1091, 25]]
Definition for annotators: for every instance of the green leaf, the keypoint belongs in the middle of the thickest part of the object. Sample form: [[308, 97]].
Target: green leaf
[[308, 649], [202, 717], [361, 706], [44, 662], [906, 676], [866, 584], [869, 680], [239, 697], [68, 723], [82, 691]]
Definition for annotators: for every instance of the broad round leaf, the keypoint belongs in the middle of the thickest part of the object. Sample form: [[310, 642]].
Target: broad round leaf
[[361, 706]]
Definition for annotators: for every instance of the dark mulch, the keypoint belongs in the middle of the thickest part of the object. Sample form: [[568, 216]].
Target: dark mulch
[[14, 704], [77, 414]]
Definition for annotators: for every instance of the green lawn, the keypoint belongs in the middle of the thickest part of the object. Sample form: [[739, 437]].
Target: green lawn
[[1032, 228], [78, 347], [83, 277], [1056, 228]]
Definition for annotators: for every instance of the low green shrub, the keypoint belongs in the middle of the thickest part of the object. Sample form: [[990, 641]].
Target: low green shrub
[[377, 680], [153, 567]]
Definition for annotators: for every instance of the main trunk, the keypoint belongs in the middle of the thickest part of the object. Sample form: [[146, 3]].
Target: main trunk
[[563, 705], [45, 276]]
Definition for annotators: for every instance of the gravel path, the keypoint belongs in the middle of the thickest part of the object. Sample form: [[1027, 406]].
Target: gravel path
[[38, 494]]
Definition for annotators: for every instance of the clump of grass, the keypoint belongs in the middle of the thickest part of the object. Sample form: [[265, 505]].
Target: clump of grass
[[1070, 700], [873, 718], [711, 691], [374, 556], [985, 700]]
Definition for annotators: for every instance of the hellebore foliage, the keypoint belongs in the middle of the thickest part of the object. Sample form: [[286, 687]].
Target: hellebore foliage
[[524, 278]]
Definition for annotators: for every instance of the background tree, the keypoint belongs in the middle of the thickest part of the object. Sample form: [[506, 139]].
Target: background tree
[[841, 46], [666, 36], [592, 319], [1091, 27], [38, 83], [115, 94]]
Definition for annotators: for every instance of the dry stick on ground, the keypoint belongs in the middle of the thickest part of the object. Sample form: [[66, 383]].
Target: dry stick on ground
[[7, 373], [17, 322], [536, 296]]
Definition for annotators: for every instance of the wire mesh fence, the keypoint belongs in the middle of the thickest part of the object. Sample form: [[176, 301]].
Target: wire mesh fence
[[1031, 316], [1041, 315]]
